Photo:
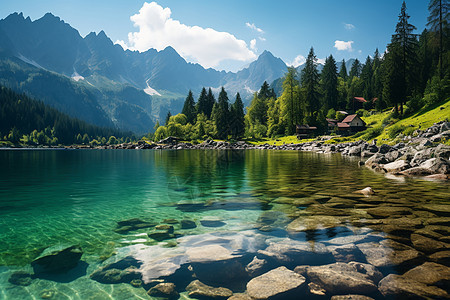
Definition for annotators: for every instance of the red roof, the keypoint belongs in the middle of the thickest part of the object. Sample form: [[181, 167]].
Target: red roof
[[360, 99], [343, 125], [349, 118]]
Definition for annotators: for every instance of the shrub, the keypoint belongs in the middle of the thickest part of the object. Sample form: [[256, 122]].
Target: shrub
[[395, 130], [372, 133]]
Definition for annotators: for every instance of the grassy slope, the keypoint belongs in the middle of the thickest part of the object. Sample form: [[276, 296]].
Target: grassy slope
[[421, 120]]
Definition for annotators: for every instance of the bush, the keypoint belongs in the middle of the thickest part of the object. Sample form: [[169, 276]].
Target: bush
[[395, 130], [362, 113], [372, 133]]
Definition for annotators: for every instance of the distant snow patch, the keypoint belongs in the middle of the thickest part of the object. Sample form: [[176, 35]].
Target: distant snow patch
[[77, 77], [151, 91]]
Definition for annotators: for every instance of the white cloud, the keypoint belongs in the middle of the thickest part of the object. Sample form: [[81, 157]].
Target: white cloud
[[253, 45], [253, 27], [298, 60], [156, 29], [343, 46], [321, 61], [262, 39], [349, 26]]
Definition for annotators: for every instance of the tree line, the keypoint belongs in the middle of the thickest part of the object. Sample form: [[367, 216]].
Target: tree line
[[206, 118], [31, 122]]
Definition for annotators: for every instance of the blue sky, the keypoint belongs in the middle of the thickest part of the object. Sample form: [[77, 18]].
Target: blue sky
[[238, 31]]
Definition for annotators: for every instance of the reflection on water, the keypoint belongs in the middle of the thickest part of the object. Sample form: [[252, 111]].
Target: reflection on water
[[78, 197]]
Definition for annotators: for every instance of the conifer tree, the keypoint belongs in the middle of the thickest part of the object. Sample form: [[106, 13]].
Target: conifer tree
[[343, 71], [167, 118], [202, 103], [210, 103], [222, 115], [265, 92], [438, 22], [310, 83], [355, 70], [366, 78], [330, 83], [189, 108], [237, 118], [406, 42]]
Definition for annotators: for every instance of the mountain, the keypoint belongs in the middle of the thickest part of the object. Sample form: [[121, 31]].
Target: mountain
[[98, 81]]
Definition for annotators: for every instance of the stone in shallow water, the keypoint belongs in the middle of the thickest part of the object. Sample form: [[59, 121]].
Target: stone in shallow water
[[343, 278], [200, 290], [426, 244], [441, 257], [277, 282], [256, 267], [164, 290], [293, 253], [347, 253], [212, 223], [388, 253], [430, 273], [388, 211], [188, 224], [396, 286], [351, 297], [57, 259], [20, 278], [114, 275], [305, 223]]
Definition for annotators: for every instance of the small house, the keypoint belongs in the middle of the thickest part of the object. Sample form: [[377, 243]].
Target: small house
[[305, 131], [351, 123]]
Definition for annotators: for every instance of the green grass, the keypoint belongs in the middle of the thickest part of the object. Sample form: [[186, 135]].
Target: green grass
[[290, 139]]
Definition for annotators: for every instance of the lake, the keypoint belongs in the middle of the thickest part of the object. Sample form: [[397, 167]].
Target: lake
[[257, 197]]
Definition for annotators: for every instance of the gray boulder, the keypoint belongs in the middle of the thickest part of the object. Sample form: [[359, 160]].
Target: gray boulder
[[436, 165], [57, 259], [256, 267], [396, 166], [345, 278], [375, 160], [278, 283], [20, 278], [388, 253]]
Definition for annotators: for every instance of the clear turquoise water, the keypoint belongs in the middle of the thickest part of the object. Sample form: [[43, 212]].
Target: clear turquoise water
[[50, 197]]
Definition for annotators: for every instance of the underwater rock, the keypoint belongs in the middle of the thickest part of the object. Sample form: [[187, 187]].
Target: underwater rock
[[426, 244], [188, 224], [279, 282], [345, 278], [385, 211], [212, 222], [388, 253], [256, 267], [57, 259], [170, 221], [290, 252], [347, 253], [350, 297], [114, 275], [20, 278], [199, 290], [161, 235], [366, 191], [132, 225], [396, 286], [441, 257], [165, 227], [164, 290], [430, 273]]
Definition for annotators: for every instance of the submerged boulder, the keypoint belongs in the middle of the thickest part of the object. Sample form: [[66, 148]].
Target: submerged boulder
[[279, 282], [165, 290], [20, 278], [199, 290], [396, 286], [57, 259], [345, 278]]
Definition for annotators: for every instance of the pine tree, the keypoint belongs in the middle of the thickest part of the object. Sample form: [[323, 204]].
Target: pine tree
[[407, 43], [189, 108], [343, 71], [265, 92], [237, 121], [222, 115], [167, 118], [425, 60], [355, 70], [310, 84], [394, 81], [210, 103], [330, 83], [202, 103], [438, 22], [366, 78]]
